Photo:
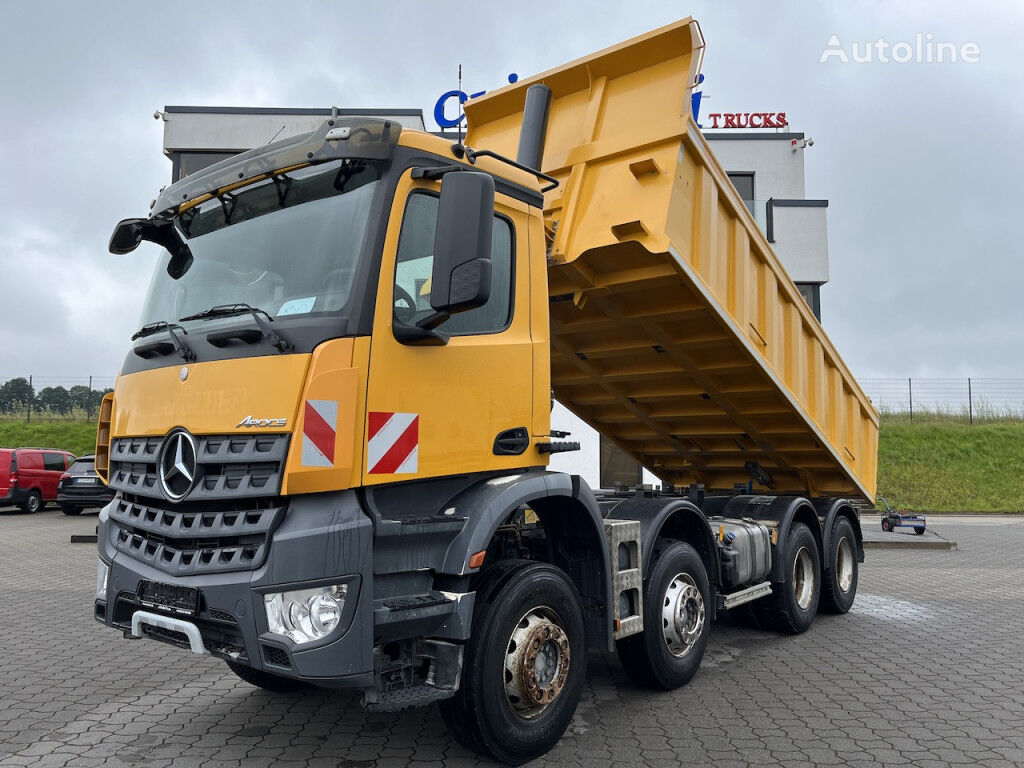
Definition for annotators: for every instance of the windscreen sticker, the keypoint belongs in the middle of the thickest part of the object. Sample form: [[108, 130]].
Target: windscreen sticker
[[297, 306], [319, 429], [393, 443]]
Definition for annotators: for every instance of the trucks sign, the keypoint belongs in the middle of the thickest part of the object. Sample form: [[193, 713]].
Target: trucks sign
[[747, 120]]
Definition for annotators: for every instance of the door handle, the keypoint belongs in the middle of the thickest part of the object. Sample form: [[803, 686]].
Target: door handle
[[512, 442]]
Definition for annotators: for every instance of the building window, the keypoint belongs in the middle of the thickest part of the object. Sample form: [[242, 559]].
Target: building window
[[186, 163], [744, 183], [618, 468], [812, 295]]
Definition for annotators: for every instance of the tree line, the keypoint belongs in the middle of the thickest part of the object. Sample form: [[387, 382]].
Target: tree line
[[19, 397]]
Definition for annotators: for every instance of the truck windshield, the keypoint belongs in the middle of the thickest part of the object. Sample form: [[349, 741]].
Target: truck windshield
[[289, 246]]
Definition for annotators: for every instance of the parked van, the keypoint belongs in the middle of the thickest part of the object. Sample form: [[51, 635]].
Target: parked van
[[29, 476]]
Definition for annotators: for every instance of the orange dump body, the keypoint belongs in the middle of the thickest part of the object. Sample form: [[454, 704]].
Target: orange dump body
[[675, 330]]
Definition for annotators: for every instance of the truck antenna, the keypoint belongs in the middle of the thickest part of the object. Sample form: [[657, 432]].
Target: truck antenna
[[462, 112]]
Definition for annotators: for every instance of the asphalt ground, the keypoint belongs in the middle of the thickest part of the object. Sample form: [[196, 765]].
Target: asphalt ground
[[926, 670]]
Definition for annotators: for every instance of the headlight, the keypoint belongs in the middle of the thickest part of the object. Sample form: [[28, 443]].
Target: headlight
[[102, 571], [306, 615]]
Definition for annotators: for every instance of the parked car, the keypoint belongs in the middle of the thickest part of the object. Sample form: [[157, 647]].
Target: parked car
[[81, 487], [29, 476]]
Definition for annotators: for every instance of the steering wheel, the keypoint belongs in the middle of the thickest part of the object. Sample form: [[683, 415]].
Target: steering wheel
[[408, 312]]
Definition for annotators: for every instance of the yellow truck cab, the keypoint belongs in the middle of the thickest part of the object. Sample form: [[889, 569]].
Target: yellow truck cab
[[329, 439]]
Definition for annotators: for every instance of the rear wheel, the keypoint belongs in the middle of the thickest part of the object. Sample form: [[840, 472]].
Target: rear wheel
[[791, 606], [267, 680], [886, 525], [32, 503], [919, 530], [525, 664], [70, 509], [839, 589], [676, 623]]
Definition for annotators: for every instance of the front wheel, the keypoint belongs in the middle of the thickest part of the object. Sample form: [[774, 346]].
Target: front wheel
[[676, 623], [840, 585], [524, 666], [919, 530], [267, 680], [886, 525]]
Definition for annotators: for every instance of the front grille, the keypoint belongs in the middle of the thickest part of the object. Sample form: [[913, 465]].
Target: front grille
[[228, 466], [186, 541]]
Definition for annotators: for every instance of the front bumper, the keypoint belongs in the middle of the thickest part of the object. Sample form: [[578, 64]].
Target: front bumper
[[322, 539]]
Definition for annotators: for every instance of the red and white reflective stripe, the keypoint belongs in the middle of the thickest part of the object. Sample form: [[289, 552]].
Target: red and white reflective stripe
[[319, 430], [393, 443]]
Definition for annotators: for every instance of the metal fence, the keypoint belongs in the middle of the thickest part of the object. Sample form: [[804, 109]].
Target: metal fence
[[967, 399], [70, 397]]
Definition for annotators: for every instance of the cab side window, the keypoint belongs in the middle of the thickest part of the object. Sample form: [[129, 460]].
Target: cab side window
[[415, 260]]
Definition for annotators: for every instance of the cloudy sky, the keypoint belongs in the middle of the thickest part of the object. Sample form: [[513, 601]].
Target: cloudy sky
[[923, 163]]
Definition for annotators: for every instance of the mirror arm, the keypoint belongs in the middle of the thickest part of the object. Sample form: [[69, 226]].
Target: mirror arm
[[415, 335], [434, 172], [431, 322], [162, 232]]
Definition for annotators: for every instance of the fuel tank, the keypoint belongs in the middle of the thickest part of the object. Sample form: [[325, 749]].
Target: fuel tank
[[745, 551]]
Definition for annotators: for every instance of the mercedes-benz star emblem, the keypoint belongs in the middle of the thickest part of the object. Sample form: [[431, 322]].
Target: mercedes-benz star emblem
[[177, 467]]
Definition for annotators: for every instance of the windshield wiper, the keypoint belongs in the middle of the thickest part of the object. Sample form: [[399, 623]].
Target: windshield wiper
[[183, 349], [240, 308]]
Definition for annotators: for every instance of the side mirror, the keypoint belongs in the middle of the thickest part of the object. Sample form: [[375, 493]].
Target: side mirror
[[461, 276], [130, 232], [127, 236]]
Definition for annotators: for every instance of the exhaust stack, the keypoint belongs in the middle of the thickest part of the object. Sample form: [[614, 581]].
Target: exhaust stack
[[535, 126]]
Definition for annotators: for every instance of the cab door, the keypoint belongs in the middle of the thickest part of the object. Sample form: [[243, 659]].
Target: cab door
[[435, 410]]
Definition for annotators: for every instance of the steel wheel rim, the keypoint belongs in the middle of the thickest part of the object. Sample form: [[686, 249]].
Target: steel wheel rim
[[844, 564], [537, 662], [682, 615], [803, 578]]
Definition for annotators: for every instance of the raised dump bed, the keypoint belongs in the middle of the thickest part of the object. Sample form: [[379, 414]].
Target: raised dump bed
[[676, 332]]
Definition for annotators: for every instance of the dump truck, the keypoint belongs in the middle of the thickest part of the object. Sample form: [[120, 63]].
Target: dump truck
[[329, 439]]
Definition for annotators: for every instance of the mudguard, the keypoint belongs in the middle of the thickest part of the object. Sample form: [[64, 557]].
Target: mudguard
[[828, 510], [436, 526], [677, 518]]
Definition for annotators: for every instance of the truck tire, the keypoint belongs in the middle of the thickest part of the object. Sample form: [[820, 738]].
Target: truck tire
[[70, 509], [676, 623], [919, 530], [839, 587], [267, 680], [791, 606], [525, 664], [32, 503]]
